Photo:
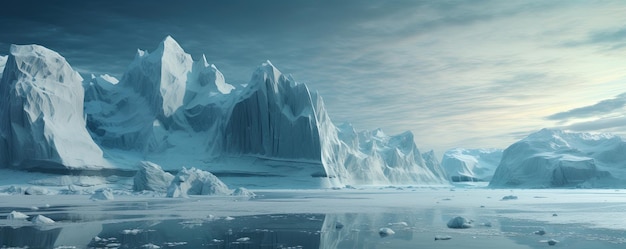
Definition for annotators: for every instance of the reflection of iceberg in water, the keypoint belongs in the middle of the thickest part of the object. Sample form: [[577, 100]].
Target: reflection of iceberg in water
[[413, 229], [258, 231], [28, 237]]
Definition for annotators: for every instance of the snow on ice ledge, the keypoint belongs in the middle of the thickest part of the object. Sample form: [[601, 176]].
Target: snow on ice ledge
[[177, 112]]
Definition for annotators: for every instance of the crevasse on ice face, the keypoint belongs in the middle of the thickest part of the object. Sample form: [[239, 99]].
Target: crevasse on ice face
[[178, 112]]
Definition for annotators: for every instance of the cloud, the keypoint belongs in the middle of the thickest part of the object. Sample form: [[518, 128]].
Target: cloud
[[603, 107], [456, 73], [599, 124], [612, 39]]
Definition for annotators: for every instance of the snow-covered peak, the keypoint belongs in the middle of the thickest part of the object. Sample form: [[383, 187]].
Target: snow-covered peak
[[209, 77], [170, 46], [266, 73], [204, 61], [161, 76], [141, 53], [39, 62]]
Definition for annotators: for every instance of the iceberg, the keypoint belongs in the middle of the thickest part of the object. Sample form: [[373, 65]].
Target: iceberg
[[196, 182], [555, 158], [151, 177], [41, 116], [463, 165], [41, 220], [15, 215], [172, 110]]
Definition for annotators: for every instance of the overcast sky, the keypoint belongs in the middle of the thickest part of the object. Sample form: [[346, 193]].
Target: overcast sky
[[473, 74]]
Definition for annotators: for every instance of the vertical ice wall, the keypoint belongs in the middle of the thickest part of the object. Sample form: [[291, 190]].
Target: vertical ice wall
[[41, 113], [275, 119]]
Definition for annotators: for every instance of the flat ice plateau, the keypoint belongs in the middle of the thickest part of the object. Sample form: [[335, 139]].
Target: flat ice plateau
[[323, 218]]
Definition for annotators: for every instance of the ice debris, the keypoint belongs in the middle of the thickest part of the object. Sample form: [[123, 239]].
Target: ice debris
[[196, 182], [103, 194], [36, 190], [385, 231], [15, 215], [459, 223], [509, 197], [40, 219], [243, 192], [552, 242]]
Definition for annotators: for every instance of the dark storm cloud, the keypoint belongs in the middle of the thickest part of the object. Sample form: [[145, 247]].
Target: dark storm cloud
[[603, 107]]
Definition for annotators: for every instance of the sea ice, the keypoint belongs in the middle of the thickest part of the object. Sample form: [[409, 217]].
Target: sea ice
[[443, 237]]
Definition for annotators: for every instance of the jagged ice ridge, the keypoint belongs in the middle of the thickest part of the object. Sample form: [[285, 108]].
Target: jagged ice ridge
[[174, 111]]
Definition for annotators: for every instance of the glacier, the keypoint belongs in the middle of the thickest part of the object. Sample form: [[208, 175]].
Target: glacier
[[177, 112], [555, 158], [462, 165]]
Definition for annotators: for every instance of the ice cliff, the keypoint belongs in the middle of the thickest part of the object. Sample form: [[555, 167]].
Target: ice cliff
[[174, 111], [462, 165], [42, 123], [555, 158]]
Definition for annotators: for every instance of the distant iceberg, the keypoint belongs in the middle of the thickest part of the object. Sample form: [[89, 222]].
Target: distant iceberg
[[471, 165], [554, 158]]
